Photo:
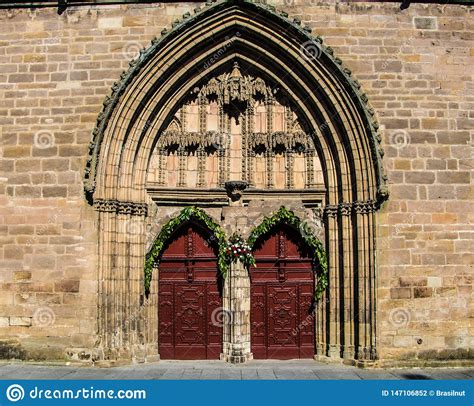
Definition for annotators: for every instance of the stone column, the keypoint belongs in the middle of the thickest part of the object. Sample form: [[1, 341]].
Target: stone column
[[236, 295], [366, 347], [237, 348], [121, 329], [334, 325], [347, 271]]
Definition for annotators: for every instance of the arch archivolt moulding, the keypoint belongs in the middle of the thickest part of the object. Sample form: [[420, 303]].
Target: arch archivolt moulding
[[188, 214], [335, 116], [340, 88]]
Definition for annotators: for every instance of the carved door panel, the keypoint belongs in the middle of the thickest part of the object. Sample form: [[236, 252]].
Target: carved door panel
[[190, 322], [282, 289], [282, 321], [214, 328], [188, 295]]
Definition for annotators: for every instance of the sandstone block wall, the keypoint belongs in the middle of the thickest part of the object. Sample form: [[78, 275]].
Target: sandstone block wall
[[416, 68]]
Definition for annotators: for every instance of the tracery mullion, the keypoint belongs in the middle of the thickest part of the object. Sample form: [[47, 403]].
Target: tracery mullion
[[226, 152], [221, 146], [162, 161], [289, 164], [250, 149], [202, 108], [181, 166], [269, 156], [201, 156], [244, 144], [288, 119], [251, 160], [269, 107], [183, 118], [309, 164], [270, 153]]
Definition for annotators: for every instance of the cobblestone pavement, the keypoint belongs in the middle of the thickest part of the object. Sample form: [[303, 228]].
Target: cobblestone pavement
[[298, 369]]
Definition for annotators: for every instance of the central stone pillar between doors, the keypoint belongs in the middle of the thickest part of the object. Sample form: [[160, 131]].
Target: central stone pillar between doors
[[236, 348], [236, 292]]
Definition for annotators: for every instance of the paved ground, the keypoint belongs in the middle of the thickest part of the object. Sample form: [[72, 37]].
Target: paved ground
[[304, 369]]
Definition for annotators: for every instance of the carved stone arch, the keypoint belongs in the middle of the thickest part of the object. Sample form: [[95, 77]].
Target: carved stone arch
[[188, 214], [331, 108], [308, 232], [176, 124]]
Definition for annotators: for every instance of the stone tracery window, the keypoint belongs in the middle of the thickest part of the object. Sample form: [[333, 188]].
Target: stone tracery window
[[235, 127]]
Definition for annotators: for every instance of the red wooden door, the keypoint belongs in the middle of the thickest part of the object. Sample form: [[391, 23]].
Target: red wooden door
[[282, 290], [188, 295]]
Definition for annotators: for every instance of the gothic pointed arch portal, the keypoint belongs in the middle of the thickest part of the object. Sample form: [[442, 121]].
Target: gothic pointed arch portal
[[240, 92]]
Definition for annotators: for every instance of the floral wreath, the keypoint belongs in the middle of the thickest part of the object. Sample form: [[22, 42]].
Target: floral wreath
[[238, 249]]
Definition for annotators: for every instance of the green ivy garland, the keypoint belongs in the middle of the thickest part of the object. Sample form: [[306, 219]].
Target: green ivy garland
[[285, 216], [188, 213]]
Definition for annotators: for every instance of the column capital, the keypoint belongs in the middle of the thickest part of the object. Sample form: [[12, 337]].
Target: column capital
[[121, 207]]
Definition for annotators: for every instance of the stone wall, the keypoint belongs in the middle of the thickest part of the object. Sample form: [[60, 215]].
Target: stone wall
[[416, 68]]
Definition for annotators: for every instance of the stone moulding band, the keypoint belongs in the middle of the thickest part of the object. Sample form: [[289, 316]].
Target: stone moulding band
[[346, 208], [116, 206]]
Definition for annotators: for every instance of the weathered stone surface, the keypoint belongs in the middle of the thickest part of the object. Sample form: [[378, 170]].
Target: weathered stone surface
[[20, 321], [417, 79], [67, 286], [425, 23], [21, 275]]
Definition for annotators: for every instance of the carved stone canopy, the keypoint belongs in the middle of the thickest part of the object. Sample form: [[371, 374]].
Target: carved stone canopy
[[235, 126], [296, 141], [233, 86]]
